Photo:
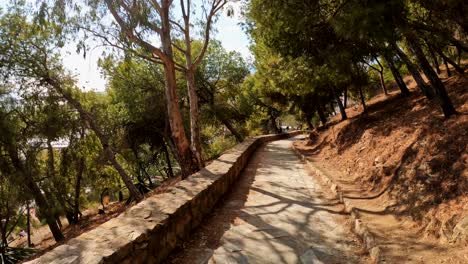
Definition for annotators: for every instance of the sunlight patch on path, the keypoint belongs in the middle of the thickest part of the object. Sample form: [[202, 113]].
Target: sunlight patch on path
[[285, 219]]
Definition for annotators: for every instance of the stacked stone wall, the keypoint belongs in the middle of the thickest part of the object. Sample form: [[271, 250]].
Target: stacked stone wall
[[150, 230]]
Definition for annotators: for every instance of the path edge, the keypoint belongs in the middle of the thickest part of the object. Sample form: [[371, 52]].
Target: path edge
[[359, 228]]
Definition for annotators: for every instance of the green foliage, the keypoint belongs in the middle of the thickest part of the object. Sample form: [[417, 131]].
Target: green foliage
[[310, 49], [14, 255], [218, 142]]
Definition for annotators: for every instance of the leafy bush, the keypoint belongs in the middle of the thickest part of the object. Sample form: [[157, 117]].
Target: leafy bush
[[218, 146]]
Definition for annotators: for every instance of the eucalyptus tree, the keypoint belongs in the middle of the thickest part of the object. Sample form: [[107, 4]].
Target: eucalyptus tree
[[155, 30]]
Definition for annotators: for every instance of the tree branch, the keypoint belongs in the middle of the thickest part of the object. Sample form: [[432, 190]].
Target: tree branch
[[157, 6], [131, 35], [179, 26], [215, 7]]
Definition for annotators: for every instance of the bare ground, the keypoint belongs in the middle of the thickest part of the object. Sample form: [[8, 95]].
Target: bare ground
[[404, 166]]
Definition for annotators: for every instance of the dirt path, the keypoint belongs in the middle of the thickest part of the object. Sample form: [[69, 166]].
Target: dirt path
[[276, 213], [398, 237]]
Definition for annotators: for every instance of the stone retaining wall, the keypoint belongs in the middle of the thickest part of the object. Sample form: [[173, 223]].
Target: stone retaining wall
[[148, 231]]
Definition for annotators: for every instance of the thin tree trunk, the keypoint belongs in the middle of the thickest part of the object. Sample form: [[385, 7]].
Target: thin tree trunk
[[449, 73], [151, 184], [3, 233], [141, 169], [33, 189], [440, 92], [426, 90], [459, 53], [332, 108], [168, 161], [195, 137], [230, 127], [381, 75], [382, 83], [396, 74], [186, 158], [274, 126], [345, 98], [451, 62], [79, 176], [344, 116], [28, 223], [50, 160], [52, 176], [321, 114], [107, 148], [309, 123], [434, 59], [363, 100]]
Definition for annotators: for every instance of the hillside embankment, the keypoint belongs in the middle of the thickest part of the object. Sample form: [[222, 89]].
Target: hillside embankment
[[404, 167]]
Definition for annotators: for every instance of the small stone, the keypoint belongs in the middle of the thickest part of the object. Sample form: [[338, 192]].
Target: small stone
[[377, 160]]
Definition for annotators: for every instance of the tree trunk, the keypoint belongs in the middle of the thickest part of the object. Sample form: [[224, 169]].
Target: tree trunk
[[107, 148], [434, 59], [195, 135], [274, 126], [186, 158], [3, 234], [230, 127], [79, 176], [345, 98], [363, 100], [440, 92], [340, 104], [451, 62], [50, 160], [382, 83], [449, 74], [381, 76], [170, 172], [195, 138], [321, 114], [34, 190], [28, 223], [396, 74], [141, 169], [57, 219], [459, 53], [426, 90], [309, 123], [332, 108]]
